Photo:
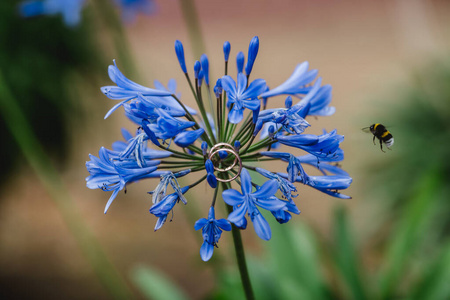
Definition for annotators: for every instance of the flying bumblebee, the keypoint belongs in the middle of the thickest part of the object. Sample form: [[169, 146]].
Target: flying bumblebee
[[382, 134]]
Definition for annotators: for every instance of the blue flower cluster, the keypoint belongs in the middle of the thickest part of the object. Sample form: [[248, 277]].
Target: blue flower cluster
[[71, 9], [219, 140]]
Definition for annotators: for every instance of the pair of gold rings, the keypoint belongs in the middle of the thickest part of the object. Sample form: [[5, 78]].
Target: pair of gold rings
[[237, 160]]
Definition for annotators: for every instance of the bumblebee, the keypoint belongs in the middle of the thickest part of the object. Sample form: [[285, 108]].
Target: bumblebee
[[382, 134]]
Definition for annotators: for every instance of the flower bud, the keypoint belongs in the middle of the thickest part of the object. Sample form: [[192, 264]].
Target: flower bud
[[197, 68], [258, 127], [288, 102], [226, 50], [151, 135], [180, 55], [240, 61], [204, 148], [237, 146], [218, 88], [205, 67], [252, 53]]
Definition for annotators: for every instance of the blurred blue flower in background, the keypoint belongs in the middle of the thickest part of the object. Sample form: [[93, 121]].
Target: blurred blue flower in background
[[69, 9]]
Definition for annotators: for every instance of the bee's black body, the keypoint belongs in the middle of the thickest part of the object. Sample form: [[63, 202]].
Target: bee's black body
[[382, 134]]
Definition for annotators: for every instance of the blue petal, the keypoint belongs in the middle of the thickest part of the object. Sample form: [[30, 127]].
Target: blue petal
[[111, 199], [261, 226], [229, 85], [268, 189], [255, 88], [238, 214], [232, 197], [200, 223], [206, 251], [186, 138], [251, 104], [224, 224], [246, 182], [241, 84], [236, 115], [271, 204]]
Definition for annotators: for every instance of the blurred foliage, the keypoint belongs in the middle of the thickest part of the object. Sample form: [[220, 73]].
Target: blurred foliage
[[420, 118], [37, 58], [410, 258]]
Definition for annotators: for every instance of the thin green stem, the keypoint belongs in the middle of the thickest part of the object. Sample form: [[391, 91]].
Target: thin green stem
[[215, 196], [204, 115], [239, 251], [52, 182], [197, 182]]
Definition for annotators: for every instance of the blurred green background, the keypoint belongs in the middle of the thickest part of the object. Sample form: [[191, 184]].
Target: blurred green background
[[388, 62]]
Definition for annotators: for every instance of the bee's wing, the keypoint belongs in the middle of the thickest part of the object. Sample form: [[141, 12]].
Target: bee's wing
[[366, 129]]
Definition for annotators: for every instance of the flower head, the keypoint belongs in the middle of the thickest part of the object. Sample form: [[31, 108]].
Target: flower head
[[220, 145]]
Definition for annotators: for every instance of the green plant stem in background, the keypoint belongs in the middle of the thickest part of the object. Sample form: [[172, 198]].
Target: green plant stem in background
[[43, 167], [346, 257], [111, 19], [412, 229], [193, 26]]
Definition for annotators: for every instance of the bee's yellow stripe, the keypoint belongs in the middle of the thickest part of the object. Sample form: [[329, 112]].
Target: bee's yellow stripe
[[375, 126], [385, 134]]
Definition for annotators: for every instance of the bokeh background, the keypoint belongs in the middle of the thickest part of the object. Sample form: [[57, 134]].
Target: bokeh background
[[388, 62]]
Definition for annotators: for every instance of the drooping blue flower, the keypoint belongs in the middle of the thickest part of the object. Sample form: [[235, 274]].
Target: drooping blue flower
[[188, 137], [322, 146], [131, 8], [135, 149], [294, 168], [166, 179], [286, 187], [167, 127], [211, 231], [248, 202], [296, 84], [287, 118], [326, 184], [252, 53], [69, 9], [162, 208], [323, 164], [107, 175], [242, 97], [283, 215], [126, 89]]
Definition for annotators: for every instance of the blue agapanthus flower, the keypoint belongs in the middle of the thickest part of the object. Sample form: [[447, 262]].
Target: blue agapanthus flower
[[211, 231], [219, 147], [70, 10]]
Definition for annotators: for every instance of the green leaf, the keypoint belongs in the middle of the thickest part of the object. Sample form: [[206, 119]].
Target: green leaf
[[411, 231], [154, 285], [435, 283], [346, 257]]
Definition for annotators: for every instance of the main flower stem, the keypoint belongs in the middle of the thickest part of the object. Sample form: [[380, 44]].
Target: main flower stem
[[240, 256]]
